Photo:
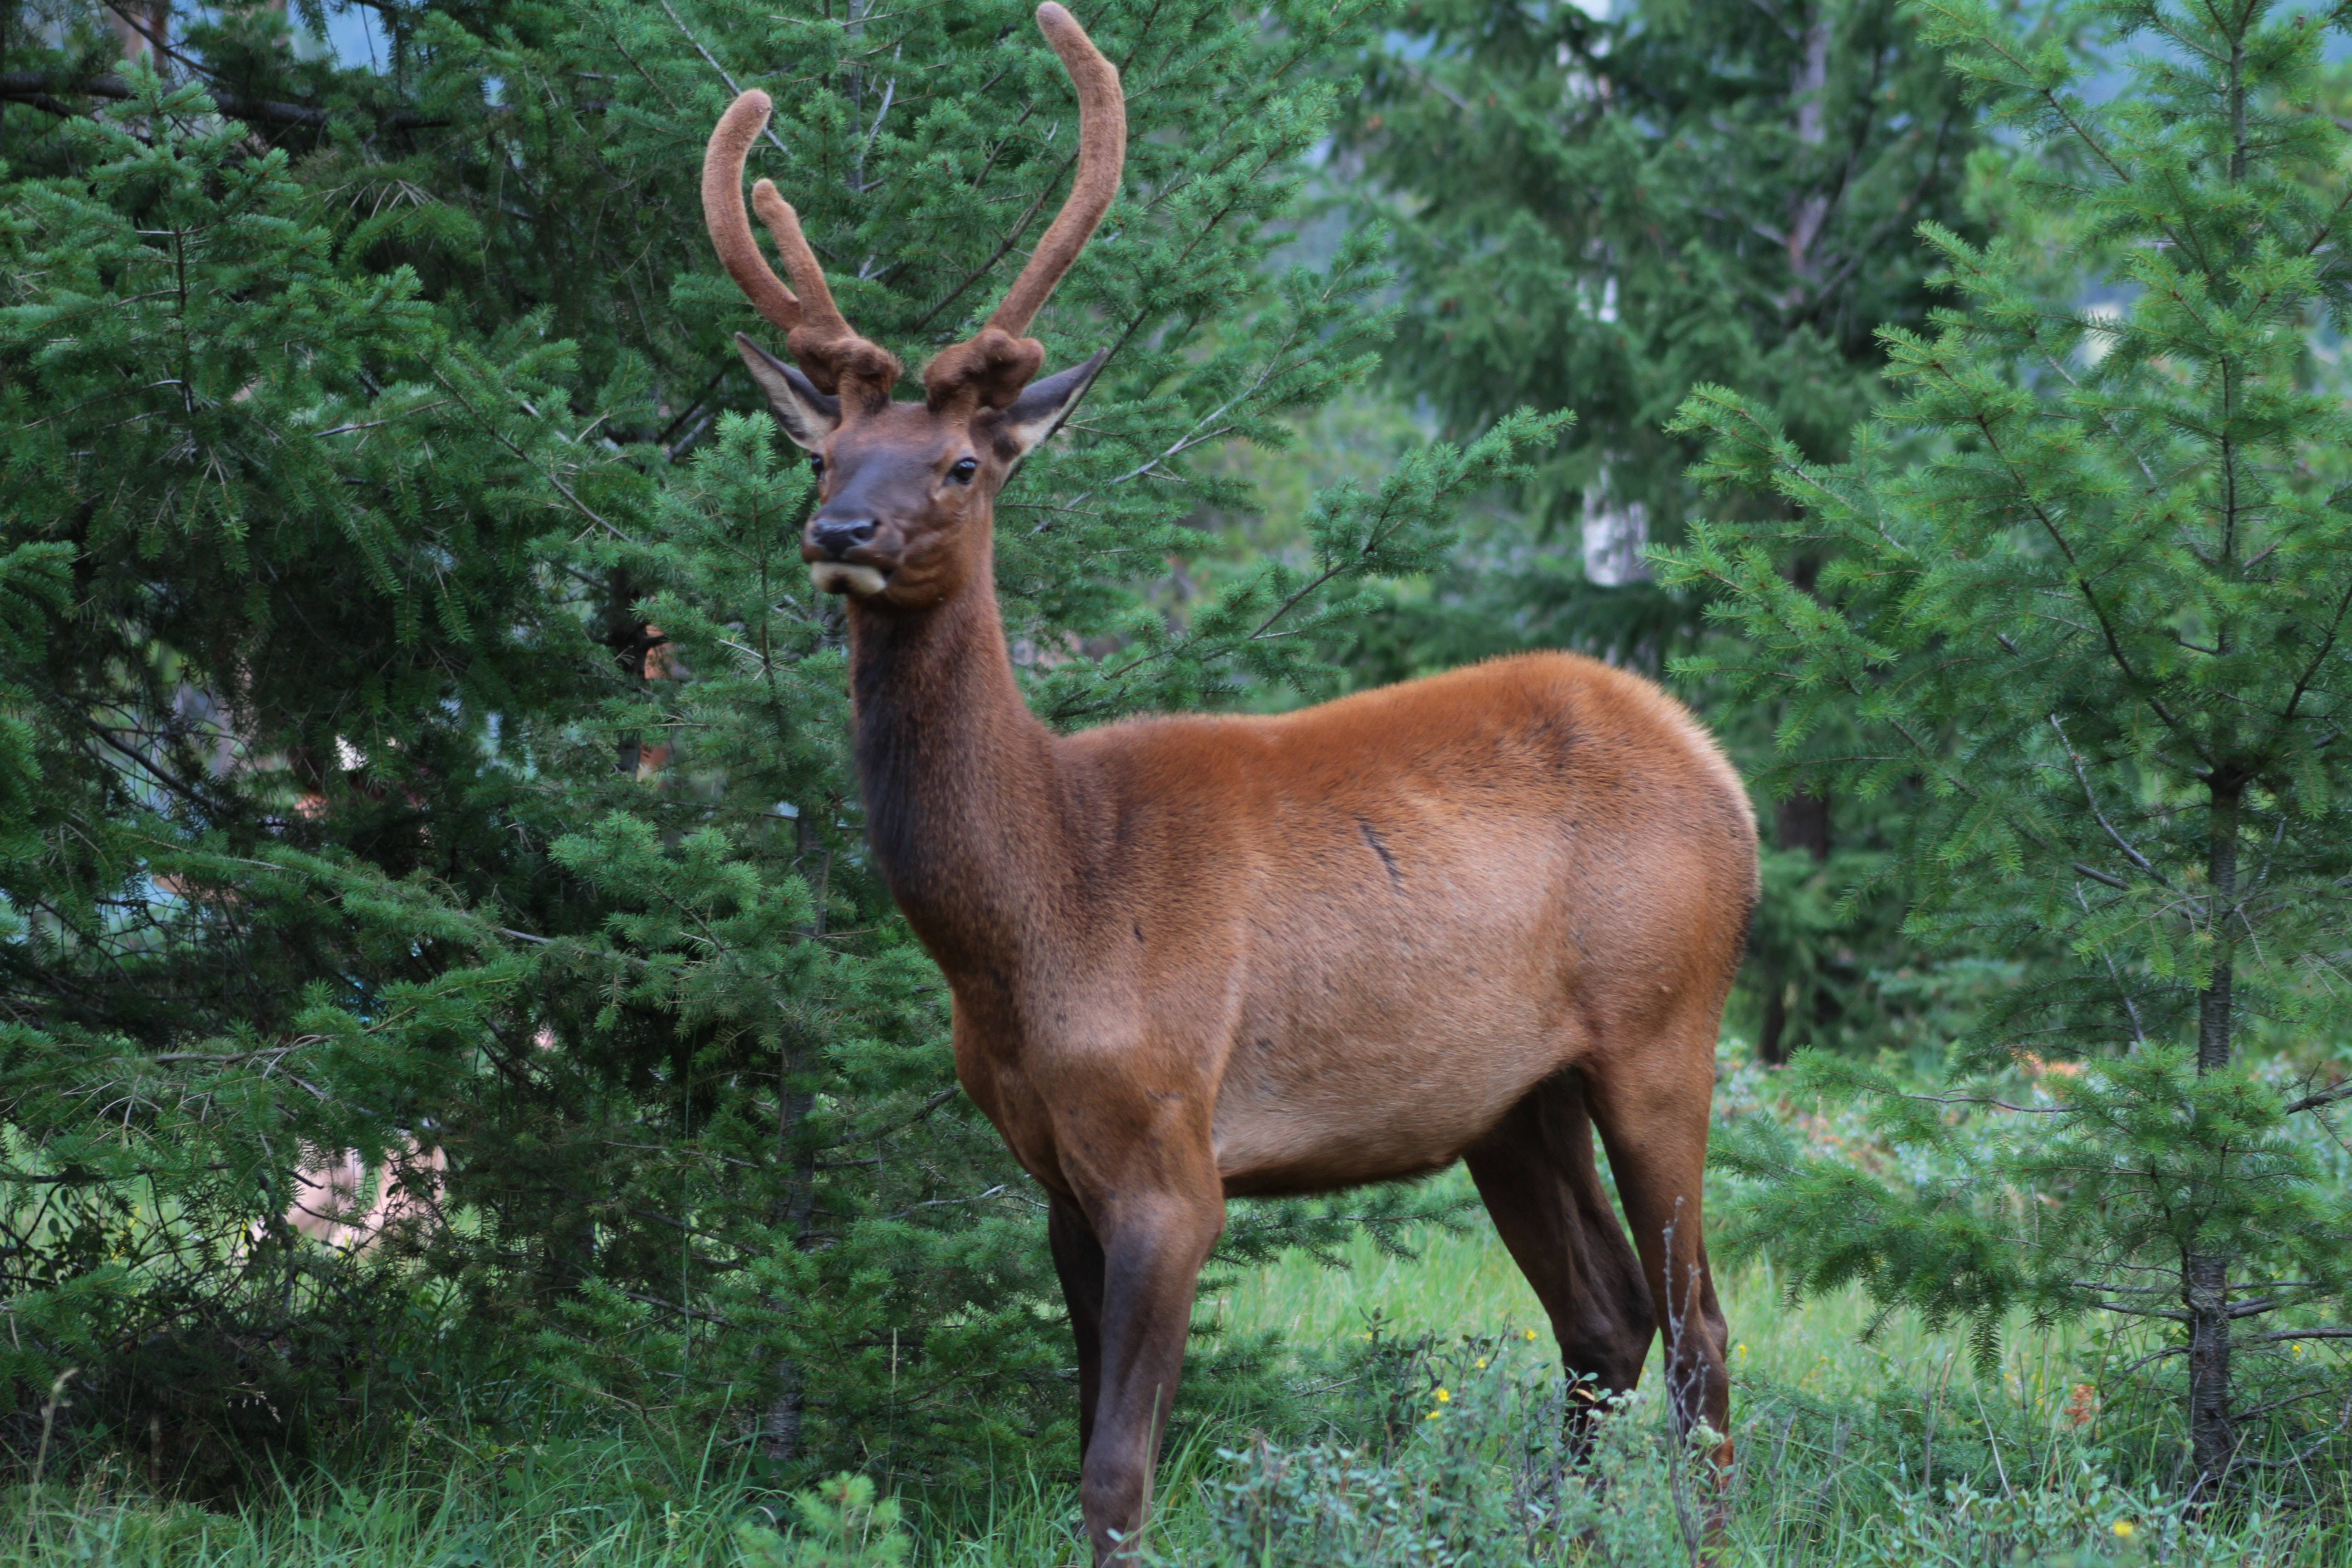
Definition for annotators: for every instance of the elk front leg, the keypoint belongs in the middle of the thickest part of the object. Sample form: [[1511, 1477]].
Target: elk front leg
[[1078, 1259], [1153, 1244]]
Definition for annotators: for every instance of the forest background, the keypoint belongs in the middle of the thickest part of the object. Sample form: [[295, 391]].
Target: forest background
[[464, 1092]]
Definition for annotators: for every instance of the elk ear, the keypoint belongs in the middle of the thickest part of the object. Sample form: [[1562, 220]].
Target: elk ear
[[807, 415], [1042, 406]]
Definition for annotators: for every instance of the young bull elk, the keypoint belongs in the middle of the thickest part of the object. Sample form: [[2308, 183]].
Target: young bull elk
[[1471, 917]]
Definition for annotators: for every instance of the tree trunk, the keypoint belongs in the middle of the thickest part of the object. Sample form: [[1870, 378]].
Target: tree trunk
[[1809, 211], [142, 30], [1801, 821], [2206, 1294], [1772, 1047], [779, 1432], [624, 632], [2205, 1275]]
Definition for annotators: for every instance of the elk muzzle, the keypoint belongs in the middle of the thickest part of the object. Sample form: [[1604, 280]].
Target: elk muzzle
[[831, 546]]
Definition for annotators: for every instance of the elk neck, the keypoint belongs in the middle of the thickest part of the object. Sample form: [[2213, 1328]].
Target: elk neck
[[966, 806]]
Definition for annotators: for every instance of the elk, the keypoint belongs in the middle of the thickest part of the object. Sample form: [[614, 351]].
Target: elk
[[1472, 917]]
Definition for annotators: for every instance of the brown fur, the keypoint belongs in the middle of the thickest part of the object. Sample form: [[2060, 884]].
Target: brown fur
[[836, 358], [1102, 151], [722, 211], [994, 365], [1475, 916]]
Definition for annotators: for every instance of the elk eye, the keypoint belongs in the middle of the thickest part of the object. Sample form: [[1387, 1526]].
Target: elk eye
[[963, 472], [816, 464]]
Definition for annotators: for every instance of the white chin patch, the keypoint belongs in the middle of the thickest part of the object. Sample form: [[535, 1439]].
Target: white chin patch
[[842, 577]]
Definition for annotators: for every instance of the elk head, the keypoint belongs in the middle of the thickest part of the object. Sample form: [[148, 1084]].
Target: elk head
[[906, 490]]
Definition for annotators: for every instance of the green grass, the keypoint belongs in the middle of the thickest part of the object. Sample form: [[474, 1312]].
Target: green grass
[[1830, 1430], [1466, 1284], [1823, 1400]]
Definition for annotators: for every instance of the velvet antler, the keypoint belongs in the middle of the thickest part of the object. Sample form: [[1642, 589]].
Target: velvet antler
[[994, 365], [834, 356]]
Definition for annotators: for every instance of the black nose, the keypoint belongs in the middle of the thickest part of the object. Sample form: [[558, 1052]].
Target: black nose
[[838, 535]]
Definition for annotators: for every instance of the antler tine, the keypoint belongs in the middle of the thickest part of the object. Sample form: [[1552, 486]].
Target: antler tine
[[1102, 153], [820, 316], [836, 358], [722, 212]]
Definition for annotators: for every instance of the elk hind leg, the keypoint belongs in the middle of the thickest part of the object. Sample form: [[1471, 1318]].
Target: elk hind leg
[[1653, 1115], [1536, 1171]]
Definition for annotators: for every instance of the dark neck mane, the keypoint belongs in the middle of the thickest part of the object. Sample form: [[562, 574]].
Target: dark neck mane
[[958, 776]]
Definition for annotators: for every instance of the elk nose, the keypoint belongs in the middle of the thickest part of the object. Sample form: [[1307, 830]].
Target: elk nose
[[836, 536]]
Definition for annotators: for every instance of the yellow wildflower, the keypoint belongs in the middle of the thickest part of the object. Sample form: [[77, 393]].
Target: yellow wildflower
[[2126, 1529], [1531, 1333], [1443, 1397], [1433, 1415], [1482, 1364]]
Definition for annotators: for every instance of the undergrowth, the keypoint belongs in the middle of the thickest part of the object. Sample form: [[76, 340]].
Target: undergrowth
[[1408, 1414], [1430, 1450]]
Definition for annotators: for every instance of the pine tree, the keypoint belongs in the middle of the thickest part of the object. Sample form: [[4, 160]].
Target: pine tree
[[1678, 193], [2102, 617], [421, 739], [283, 543]]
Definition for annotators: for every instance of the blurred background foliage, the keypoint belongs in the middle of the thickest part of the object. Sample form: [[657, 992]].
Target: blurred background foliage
[[1698, 191]]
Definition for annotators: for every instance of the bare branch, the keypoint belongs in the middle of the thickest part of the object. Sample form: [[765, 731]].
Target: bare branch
[[42, 91], [2325, 1097]]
